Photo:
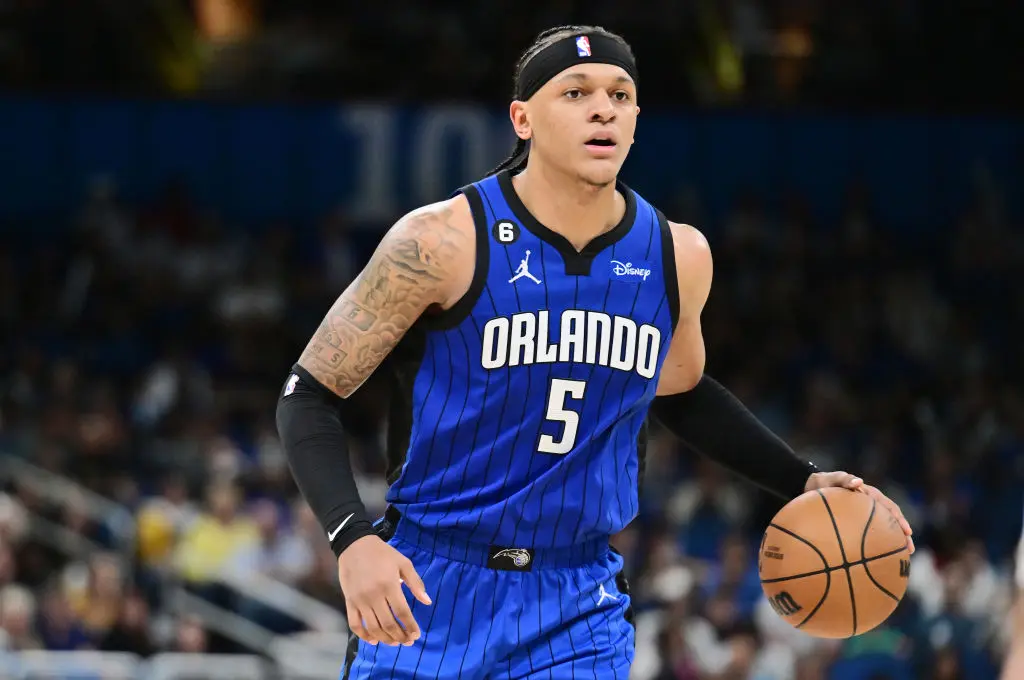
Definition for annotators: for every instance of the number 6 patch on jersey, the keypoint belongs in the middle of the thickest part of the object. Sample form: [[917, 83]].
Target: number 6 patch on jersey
[[505, 232]]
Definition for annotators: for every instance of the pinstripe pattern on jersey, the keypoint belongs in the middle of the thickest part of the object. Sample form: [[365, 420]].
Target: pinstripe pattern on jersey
[[473, 465]]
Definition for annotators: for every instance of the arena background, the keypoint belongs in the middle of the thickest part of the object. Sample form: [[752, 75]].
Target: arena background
[[185, 187]]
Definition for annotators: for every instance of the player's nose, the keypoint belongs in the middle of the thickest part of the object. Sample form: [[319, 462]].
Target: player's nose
[[602, 109]]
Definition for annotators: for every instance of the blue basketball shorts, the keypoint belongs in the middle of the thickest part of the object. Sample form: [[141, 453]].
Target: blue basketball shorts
[[506, 613]]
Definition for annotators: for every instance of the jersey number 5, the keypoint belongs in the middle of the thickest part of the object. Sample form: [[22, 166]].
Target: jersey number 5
[[557, 412]]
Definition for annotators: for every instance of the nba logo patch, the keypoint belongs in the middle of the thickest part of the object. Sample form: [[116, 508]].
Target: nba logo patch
[[290, 386], [583, 46]]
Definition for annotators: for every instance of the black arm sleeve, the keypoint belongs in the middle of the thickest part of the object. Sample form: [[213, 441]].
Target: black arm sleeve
[[711, 420], [309, 423]]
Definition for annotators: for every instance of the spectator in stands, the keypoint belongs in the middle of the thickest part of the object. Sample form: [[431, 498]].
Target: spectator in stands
[[721, 641], [7, 564], [676, 661], [97, 606], [13, 520], [665, 578], [952, 631], [322, 583], [279, 554], [162, 520], [17, 614], [735, 577], [131, 631], [59, 628], [190, 637], [13, 523], [815, 667], [705, 508], [174, 381], [216, 538]]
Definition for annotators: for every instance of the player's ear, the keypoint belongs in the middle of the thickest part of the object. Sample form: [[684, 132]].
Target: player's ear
[[520, 121], [633, 139]]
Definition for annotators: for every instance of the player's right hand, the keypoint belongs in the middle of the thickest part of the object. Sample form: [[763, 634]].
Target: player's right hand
[[371, 573]]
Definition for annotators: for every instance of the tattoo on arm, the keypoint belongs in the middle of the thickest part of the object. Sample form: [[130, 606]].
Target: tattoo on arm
[[404, 277]]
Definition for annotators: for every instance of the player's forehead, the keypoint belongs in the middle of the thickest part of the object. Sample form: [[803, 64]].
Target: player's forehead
[[601, 75]]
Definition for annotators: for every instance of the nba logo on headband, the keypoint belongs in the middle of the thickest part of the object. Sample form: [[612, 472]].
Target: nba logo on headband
[[558, 56], [583, 46]]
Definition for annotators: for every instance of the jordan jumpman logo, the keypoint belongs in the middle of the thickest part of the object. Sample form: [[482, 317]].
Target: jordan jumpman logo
[[524, 270], [604, 594]]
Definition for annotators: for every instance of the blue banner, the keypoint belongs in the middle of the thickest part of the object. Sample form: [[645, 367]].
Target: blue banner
[[260, 163]]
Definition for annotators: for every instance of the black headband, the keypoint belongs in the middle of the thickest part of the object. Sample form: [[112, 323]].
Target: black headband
[[576, 49]]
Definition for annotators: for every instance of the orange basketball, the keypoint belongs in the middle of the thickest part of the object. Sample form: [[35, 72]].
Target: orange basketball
[[834, 563]]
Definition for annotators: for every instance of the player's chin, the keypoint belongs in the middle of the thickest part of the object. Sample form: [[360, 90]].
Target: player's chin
[[600, 171]]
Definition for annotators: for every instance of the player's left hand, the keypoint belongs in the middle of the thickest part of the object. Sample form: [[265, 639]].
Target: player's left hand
[[821, 480]]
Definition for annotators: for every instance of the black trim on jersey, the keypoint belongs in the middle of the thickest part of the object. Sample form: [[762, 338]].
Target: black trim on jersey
[[450, 318], [622, 583], [641, 455], [351, 652], [577, 262], [668, 265], [404, 365]]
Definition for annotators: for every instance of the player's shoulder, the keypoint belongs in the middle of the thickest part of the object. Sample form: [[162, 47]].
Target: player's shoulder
[[442, 232], [437, 242], [448, 219], [691, 248]]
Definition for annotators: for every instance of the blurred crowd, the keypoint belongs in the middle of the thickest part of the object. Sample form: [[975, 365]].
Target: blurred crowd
[[143, 349], [904, 53]]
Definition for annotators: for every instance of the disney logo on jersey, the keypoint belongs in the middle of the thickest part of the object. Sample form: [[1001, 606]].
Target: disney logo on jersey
[[629, 271]]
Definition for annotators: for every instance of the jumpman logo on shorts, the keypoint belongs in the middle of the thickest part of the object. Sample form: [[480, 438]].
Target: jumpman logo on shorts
[[524, 270], [604, 594]]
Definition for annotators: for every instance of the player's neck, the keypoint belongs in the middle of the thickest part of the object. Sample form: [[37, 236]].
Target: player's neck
[[578, 211]]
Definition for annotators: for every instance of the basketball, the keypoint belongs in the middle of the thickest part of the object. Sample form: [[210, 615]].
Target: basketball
[[834, 563]]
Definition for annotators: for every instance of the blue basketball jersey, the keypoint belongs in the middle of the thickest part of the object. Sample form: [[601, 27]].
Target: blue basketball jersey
[[520, 410]]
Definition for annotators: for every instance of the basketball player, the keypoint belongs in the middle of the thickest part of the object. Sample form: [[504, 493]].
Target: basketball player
[[532, 321]]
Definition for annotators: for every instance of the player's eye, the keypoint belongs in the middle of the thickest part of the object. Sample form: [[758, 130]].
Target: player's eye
[[573, 93], [621, 96]]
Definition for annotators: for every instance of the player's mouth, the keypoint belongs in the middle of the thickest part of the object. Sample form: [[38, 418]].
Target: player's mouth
[[600, 146]]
